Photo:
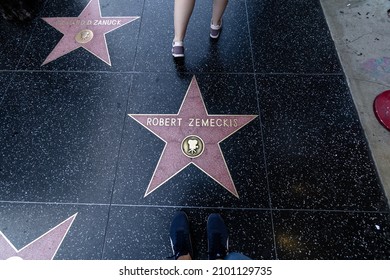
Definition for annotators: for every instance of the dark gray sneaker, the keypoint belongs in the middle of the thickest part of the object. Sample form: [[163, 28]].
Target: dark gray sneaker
[[215, 30], [218, 237], [177, 49], [179, 235]]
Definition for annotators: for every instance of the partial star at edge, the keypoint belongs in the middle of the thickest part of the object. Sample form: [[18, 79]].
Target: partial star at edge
[[87, 31], [44, 247]]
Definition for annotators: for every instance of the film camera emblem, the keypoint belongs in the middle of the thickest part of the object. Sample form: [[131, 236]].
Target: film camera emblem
[[192, 146]]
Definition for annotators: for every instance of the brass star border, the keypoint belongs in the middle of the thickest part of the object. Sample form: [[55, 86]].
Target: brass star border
[[192, 136]]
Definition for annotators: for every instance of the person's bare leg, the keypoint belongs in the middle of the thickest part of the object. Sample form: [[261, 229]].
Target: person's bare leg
[[182, 13], [184, 258], [219, 7]]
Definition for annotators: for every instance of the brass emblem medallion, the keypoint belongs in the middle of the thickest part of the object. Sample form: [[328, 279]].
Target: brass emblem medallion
[[84, 36], [192, 146]]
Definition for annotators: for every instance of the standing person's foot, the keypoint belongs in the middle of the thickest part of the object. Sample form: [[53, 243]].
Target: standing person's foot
[[218, 237], [215, 30], [177, 49], [179, 234]]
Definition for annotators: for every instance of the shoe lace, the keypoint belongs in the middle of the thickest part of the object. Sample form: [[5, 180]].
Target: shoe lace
[[180, 245]]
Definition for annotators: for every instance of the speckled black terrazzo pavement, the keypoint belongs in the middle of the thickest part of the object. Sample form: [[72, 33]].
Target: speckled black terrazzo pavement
[[307, 185]]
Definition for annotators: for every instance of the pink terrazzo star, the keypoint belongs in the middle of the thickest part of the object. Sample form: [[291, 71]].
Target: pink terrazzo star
[[192, 136], [87, 31], [44, 247]]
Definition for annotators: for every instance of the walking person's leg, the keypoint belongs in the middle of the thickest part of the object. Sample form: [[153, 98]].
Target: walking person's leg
[[182, 14], [219, 7]]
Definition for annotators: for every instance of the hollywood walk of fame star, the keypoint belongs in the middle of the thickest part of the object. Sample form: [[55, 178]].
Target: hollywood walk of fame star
[[44, 247], [87, 31], [192, 136]]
